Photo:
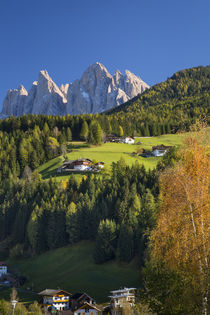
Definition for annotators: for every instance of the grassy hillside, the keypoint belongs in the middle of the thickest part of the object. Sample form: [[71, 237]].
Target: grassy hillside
[[110, 152], [73, 269]]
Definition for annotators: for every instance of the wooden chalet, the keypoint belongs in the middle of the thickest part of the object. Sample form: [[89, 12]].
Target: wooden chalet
[[55, 299], [78, 299], [78, 165]]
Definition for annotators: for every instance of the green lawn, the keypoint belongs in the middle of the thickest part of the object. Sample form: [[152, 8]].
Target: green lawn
[[108, 153], [170, 139], [73, 269]]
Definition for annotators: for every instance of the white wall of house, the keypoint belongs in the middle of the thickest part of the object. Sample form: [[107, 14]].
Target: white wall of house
[[129, 140], [61, 306], [81, 167], [158, 152], [60, 303], [3, 270]]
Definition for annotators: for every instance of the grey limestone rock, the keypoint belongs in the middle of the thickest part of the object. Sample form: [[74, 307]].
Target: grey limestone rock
[[48, 98], [95, 92], [14, 102], [98, 91]]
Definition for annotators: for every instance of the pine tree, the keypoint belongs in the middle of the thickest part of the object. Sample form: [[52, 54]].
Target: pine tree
[[95, 133], [105, 241], [125, 247], [72, 227], [68, 134], [84, 131]]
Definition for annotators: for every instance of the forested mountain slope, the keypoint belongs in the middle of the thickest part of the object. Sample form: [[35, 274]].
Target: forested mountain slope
[[182, 98]]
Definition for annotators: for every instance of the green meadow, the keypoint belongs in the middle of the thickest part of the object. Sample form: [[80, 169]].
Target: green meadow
[[108, 153], [73, 269]]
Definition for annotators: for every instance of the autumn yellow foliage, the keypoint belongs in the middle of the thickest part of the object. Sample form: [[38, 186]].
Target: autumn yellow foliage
[[181, 236]]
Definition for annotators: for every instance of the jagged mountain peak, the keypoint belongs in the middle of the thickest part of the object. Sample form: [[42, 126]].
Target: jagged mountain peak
[[95, 92], [22, 90], [44, 74], [97, 68]]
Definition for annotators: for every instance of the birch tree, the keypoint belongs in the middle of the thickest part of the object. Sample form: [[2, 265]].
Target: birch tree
[[180, 239]]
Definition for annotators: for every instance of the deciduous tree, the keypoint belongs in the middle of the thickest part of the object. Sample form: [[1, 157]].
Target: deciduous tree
[[181, 236]]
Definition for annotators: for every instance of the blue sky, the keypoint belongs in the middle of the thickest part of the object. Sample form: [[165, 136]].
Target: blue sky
[[151, 38]]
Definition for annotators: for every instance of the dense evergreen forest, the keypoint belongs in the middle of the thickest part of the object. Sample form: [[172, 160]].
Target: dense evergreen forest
[[40, 215]]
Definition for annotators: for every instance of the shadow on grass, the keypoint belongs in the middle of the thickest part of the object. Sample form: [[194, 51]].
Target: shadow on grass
[[72, 146], [49, 174], [48, 168], [54, 174], [131, 154]]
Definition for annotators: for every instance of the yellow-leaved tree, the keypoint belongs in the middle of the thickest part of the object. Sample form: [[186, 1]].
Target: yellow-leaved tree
[[180, 239]]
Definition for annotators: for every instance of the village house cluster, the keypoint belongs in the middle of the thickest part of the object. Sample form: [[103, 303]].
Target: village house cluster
[[83, 304]]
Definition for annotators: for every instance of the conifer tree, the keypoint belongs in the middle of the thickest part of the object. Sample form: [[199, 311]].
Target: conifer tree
[[68, 134], [72, 227], [95, 133], [105, 241], [125, 247], [84, 131]]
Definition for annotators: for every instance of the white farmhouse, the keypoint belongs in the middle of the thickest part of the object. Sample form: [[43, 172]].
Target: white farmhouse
[[120, 297], [160, 150], [128, 140], [75, 165], [56, 299], [82, 164], [3, 269]]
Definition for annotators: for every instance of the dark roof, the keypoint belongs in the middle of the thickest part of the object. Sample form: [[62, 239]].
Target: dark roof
[[78, 296], [161, 147], [50, 292], [2, 263], [78, 160]]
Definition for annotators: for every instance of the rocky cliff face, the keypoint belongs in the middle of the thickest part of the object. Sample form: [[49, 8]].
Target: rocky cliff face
[[48, 98], [95, 92], [14, 102]]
